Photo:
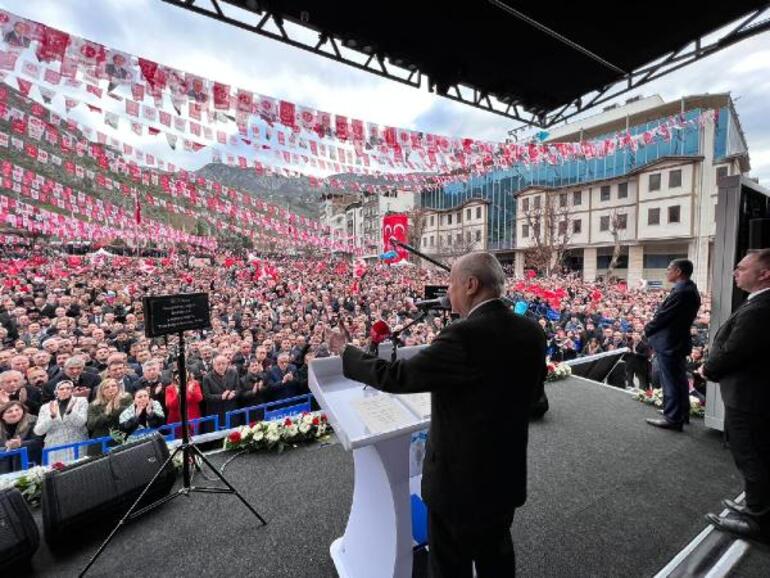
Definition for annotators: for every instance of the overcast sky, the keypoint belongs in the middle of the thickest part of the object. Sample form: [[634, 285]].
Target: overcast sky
[[190, 42]]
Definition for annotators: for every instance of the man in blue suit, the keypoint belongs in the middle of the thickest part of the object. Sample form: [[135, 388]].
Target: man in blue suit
[[282, 379], [669, 335]]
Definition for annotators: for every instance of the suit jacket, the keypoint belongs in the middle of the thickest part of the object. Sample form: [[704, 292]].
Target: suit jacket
[[737, 357], [669, 331], [483, 373]]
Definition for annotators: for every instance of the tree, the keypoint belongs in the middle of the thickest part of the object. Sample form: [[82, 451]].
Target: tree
[[550, 231], [417, 223], [618, 227]]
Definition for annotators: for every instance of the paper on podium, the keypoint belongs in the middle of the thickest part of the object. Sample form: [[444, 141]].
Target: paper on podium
[[419, 403], [381, 413]]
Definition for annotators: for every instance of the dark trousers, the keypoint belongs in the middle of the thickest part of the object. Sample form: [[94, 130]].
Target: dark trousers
[[673, 379], [749, 436], [454, 550]]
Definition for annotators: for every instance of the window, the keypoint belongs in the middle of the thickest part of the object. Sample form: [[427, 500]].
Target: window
[[425, 241], [459, 238], [604, 194], [673, 214], [675, 179], [524, 205], [621, 221], [431, 220], [536, 230], [653, 216], [660, 261], [537, 203], [468, 237], [467, 214], [478, 212], [577, 198], [622, 190], [524, 231], [563, 200], [478, 235], [577, 226], [449, 239], [722, 172], [655, 182], [449, 219], [459, 216], [604, 223], [431, 240], [562, 227]]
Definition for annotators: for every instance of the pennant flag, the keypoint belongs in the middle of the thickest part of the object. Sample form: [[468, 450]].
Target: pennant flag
[[24, 86]]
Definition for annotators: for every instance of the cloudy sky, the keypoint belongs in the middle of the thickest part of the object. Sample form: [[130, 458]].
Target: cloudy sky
[[178, 38]]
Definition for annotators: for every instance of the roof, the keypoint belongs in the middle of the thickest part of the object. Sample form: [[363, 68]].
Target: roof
[[537, 56]]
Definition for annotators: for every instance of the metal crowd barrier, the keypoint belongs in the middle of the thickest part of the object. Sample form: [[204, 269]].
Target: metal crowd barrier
[[170, 431]]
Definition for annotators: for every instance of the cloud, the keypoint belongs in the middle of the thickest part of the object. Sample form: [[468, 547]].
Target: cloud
[[192, 42]]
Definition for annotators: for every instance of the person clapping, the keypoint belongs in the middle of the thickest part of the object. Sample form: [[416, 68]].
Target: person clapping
[[144, 413]]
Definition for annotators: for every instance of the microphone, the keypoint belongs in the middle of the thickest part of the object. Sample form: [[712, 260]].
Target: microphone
[[440, 303]]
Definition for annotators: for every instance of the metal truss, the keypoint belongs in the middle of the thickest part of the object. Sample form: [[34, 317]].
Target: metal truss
[[374, 62]]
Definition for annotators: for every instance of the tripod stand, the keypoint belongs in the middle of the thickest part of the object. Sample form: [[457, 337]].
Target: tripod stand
[[189, 452]]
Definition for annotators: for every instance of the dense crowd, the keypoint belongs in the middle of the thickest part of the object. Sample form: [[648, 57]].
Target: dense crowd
[[75, 363]]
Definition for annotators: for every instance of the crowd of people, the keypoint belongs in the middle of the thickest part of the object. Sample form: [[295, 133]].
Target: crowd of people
[[75, 363]]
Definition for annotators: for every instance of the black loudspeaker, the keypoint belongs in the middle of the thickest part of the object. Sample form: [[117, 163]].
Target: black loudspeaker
[[103, 487], [759, 234], [19, 537]]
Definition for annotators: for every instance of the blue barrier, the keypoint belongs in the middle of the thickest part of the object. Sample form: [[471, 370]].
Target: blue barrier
[[169, 431], [103, 442], [21, 452]]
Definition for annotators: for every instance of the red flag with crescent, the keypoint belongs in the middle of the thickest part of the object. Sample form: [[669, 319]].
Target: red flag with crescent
[[395, 225]]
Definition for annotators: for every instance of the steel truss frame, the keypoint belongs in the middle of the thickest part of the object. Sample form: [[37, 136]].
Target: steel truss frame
[[377, 63]]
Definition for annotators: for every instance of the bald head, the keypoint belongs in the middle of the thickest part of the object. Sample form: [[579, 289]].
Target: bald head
[[483, 266], [475, 278]]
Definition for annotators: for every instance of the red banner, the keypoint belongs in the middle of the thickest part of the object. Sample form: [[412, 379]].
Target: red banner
[[395, 225]]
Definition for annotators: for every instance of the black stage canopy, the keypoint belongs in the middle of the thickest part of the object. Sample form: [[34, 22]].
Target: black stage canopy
[[537, 62]]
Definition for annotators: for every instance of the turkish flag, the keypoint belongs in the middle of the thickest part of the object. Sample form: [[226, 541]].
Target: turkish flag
[[394, 225], [52, 44]]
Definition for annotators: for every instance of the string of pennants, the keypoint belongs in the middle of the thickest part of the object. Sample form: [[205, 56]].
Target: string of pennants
[[295, 135], [201, 193]]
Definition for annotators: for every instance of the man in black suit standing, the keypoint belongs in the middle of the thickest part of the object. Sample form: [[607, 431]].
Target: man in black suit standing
[[475, 469], [737, 360], [669, 335]]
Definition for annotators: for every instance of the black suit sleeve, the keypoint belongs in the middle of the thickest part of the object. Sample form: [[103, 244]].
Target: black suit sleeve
[[443, 364], [741, 345], [666, 314]]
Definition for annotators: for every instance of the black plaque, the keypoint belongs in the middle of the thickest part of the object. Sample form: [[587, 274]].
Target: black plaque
[[164, 314], [435, 291]]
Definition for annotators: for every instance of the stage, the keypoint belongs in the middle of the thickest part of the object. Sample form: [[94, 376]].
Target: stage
[[608, 496]]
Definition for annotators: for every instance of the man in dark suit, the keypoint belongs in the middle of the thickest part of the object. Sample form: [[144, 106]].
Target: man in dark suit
[[474, 474], [282, 380], [737, 360], [669, 335]]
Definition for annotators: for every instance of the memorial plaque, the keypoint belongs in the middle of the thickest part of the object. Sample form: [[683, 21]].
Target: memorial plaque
[[164, 314]]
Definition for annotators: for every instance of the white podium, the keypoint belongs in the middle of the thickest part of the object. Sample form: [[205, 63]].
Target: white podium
[[378, 428]]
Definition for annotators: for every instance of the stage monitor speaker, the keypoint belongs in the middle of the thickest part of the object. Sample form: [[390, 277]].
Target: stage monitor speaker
[[103, 487], [759, 234], [19, 537]]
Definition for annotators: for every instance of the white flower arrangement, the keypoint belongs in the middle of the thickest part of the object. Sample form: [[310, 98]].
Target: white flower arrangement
[[654, 397], [557, 371], [278, 434]]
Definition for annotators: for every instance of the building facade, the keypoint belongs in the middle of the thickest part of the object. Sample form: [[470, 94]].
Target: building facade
[[658, 199], [452, 232]]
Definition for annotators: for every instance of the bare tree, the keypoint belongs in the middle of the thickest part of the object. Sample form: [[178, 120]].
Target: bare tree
[[550, 229], [618, 227], [417, 223]]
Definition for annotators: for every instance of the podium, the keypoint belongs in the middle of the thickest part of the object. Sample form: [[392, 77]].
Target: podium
[[378, 428]]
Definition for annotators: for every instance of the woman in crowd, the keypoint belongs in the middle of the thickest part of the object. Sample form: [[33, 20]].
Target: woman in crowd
[[194, 398], [17, 431], [104, 412], [63, 421], [593, 347], [144, 413]]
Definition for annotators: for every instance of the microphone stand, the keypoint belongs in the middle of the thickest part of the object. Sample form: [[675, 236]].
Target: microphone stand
[[395, 335]]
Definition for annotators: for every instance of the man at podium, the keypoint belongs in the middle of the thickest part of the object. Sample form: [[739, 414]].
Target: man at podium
[[483, 372]]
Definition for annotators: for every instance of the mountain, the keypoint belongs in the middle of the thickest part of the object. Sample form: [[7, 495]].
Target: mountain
[[296, 194]]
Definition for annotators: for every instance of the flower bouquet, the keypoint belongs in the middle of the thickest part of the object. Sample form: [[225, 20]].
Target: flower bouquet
[[655, 397], [557, 371], [277, 434]]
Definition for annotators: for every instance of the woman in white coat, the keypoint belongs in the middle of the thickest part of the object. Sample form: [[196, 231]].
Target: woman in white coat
[[63, 421]]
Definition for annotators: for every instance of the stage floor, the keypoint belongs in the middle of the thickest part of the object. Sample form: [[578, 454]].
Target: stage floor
[[608, 496]]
